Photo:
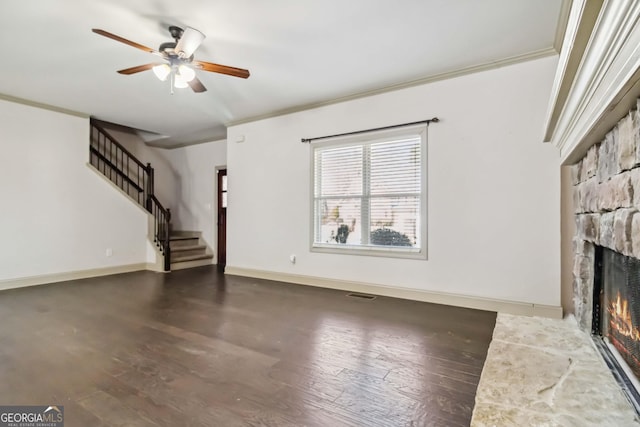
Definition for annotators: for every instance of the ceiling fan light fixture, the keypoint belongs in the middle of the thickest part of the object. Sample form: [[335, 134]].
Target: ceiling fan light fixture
[[186, 73], [180, 63], [179, 82], [162, 71]]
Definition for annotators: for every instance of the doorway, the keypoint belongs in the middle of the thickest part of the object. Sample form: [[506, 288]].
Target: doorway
[[222, 218]]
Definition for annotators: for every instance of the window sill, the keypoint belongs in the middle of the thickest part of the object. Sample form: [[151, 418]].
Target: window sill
[[386, 252]]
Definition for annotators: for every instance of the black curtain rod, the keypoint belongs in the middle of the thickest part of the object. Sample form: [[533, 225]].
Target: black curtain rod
[[433, 120]]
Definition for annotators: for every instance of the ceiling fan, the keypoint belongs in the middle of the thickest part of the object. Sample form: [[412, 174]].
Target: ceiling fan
[[179, 64]]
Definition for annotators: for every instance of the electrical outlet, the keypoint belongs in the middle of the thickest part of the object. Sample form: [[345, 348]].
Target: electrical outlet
[[109, 252], [292, 258]]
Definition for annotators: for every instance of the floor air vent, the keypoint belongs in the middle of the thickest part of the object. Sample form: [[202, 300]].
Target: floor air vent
[[361, 296]]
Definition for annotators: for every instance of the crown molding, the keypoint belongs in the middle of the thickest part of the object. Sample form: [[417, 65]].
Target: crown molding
[[41, 105], [598, 75], [171, 146], [561, 28], [531, 56]]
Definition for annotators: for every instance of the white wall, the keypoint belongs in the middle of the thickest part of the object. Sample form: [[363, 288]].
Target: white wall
[[494, 188], [57, 214], [196, 206]]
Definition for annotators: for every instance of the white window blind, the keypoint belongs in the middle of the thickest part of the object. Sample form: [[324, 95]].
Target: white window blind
[[369, 195]]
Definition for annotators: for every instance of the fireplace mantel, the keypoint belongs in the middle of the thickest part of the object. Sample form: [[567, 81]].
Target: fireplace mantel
[[598, 77]]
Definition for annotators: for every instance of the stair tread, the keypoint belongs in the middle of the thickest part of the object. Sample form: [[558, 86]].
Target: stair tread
[[190, 258], [188, 248], [176, 238], [185, 233]]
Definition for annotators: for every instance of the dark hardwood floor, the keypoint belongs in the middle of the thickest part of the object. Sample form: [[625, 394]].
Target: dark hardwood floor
[[196, 348]]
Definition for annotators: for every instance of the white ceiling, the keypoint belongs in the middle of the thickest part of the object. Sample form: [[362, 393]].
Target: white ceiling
[[299, 53]]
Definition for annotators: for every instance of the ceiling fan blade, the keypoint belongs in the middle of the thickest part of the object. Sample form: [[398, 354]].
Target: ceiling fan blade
[[125, 41], [222, 69], [189, 42], [197, 85], [139, 68]]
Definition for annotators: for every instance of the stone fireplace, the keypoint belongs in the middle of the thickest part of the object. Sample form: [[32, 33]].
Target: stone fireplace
[[607, 207], [607, 242]]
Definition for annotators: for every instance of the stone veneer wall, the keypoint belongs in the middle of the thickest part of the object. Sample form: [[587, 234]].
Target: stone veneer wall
[[606, 198]]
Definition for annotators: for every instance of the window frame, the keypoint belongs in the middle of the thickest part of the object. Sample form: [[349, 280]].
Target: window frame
[[370, 250]]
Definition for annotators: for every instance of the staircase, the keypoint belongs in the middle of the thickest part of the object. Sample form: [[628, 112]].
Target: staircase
[[188, 250], [180, 249]]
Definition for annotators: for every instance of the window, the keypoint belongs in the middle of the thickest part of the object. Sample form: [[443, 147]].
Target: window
[[369, 194]]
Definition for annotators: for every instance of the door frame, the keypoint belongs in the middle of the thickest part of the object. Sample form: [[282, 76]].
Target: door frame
[[218, 199]]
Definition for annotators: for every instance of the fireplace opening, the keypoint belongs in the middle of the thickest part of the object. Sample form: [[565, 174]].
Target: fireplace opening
[[616, 317]]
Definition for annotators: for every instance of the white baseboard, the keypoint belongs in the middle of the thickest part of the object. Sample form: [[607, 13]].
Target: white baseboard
[[157, 266], [70, 275], [489, 304]]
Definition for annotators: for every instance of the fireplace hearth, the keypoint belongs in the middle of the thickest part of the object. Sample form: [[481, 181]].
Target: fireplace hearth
[[616, 317]]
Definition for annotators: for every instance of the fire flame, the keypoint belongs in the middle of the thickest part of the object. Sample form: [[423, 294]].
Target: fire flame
[[620, 320]]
